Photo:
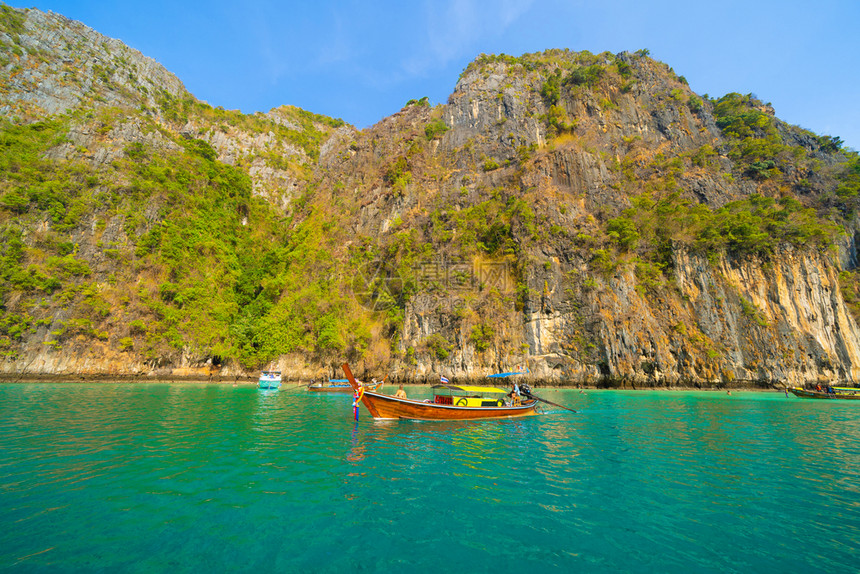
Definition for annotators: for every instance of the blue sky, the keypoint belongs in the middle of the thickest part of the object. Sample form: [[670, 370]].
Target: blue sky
[[362, 61]]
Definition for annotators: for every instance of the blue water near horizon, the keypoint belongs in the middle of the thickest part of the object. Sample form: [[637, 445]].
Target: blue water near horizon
[[185, 477]]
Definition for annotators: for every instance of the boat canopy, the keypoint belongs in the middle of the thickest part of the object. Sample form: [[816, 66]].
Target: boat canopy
[[338, 380], [467, 389], [503, 375]]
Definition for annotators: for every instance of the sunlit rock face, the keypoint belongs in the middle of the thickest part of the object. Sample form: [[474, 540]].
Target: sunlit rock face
[[518, 226]]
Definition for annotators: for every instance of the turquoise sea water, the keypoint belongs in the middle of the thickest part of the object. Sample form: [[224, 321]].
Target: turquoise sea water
[[190, 478]]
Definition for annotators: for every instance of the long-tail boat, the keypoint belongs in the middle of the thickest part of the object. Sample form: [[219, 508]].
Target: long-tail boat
[[343, 386], [848, 393], [332, 386], [452, 402]]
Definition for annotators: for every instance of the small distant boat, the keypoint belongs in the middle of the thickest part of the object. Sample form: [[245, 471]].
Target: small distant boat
[[451, 402], [845, 393], [270, 380], [342, 386]]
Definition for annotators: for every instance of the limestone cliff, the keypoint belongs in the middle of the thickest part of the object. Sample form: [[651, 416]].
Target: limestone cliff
[[585, 215]]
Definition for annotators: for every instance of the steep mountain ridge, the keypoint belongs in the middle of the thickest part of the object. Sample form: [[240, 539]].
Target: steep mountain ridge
[[53, 64], [584, 301], [586, 215]]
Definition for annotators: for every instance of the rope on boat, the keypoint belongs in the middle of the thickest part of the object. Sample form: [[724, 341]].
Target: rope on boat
[[526, 390]]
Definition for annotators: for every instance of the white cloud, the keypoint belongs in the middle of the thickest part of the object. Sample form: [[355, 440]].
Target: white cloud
[[456, 28], [337, 47], [511, 10]]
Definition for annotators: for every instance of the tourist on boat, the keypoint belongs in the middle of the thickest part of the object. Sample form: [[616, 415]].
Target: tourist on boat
[[400, 394], [516, 399]]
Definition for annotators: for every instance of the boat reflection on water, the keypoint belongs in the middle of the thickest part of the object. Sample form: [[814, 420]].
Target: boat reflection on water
[[357, 450]]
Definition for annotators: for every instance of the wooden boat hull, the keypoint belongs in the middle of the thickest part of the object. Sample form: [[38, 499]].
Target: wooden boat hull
[[807, 394], [385, 407]]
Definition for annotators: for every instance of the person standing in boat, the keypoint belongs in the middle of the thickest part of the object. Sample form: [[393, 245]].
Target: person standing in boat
[[516, 399], [400, 394]]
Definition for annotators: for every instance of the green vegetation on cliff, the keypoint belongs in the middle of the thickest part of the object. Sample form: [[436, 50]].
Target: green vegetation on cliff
[[121, 229], [751, 227], [213, 271]]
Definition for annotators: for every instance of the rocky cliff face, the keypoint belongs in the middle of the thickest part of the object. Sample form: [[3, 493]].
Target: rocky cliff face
[[585, 216], [53, 64], [713, 320]]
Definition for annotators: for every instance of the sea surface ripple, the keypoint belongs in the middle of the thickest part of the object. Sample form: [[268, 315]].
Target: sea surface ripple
[[185, 477]]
